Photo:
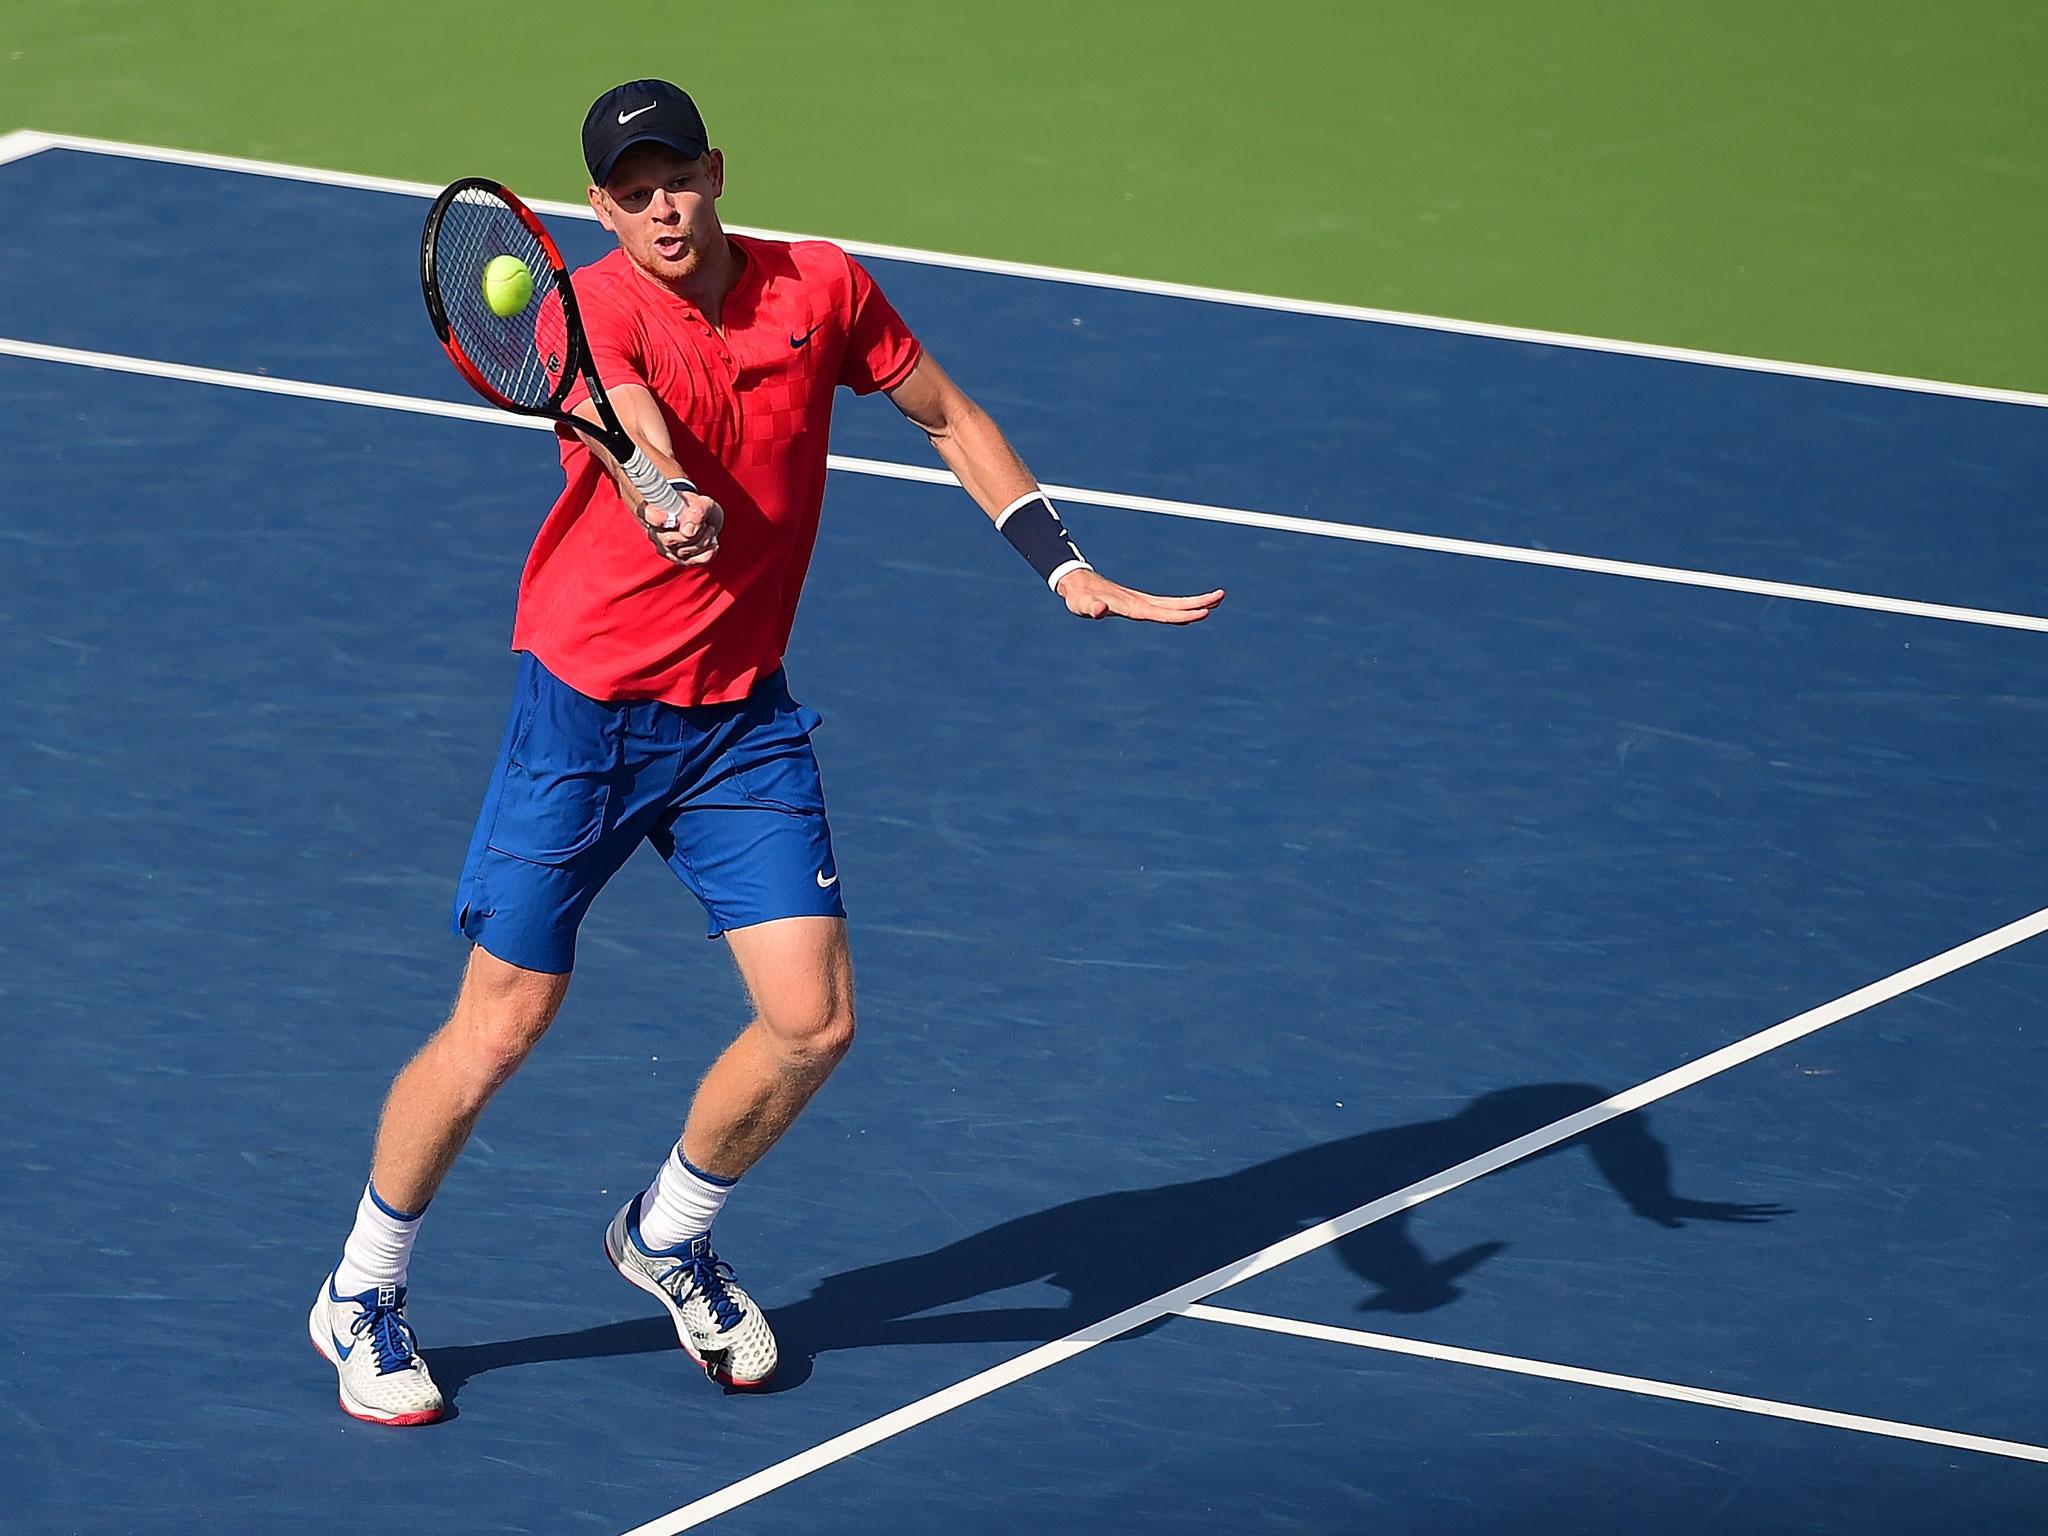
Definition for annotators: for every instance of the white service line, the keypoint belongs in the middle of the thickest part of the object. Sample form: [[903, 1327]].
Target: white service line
[[928, 475], [1557, 560], [263, 383], [839, 1447], [1642, 1386], [1041, 273]]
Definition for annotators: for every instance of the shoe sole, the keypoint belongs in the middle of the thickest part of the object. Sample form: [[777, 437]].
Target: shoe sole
[[719, 1374], [349, 1406]]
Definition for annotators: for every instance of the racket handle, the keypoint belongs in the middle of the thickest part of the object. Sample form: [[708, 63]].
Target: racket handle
[[652, 485]]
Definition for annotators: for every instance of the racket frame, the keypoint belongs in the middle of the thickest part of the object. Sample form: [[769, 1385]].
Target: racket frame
[[607, 432]]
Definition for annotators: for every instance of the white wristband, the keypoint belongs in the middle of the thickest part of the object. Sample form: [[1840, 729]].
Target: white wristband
[[1059, 571]]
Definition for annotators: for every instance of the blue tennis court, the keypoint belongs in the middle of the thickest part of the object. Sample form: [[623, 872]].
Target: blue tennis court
[[1254, 955]]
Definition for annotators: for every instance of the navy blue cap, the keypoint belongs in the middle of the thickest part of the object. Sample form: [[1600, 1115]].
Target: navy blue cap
[[640, 112]]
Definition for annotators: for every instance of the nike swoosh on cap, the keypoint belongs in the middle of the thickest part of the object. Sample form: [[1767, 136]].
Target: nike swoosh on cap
[[627, 117]]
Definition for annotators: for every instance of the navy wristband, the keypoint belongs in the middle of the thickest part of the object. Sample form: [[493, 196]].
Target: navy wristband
[[1035, 531]]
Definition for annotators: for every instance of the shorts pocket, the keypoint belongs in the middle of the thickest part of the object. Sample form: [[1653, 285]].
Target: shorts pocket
[[548, 817], [787, 781]]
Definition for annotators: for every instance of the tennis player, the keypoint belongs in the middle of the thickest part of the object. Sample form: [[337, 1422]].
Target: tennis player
[[651, 705]]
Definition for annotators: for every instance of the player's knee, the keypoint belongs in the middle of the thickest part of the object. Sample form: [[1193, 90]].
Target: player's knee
[[495, 1053], [816, 1036], [835, 1038], [474, 1055], [498, 1020]]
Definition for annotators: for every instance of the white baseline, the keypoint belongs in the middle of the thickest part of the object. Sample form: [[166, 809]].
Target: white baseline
[[1642, 1386], [1160, 506], [21, 144], [839, 1447]]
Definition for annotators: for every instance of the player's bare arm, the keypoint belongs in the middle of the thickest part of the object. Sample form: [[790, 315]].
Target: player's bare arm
[[974, 448], [695, 537]]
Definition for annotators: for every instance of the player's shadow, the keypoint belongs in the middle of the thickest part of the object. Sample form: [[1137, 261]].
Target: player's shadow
[[454, 1366], [1110, 1251]]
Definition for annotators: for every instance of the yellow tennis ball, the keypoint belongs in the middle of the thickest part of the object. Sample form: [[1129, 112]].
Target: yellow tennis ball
[[508, 285]]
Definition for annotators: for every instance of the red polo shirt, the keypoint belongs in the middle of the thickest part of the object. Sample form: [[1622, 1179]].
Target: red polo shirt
[[749, 409]]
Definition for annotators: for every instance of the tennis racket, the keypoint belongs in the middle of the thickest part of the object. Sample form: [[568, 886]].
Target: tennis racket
[[528, 361]]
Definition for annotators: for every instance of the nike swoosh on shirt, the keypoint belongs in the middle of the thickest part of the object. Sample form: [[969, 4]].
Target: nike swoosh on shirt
[[627, 117], [803, 340], [824, 884]]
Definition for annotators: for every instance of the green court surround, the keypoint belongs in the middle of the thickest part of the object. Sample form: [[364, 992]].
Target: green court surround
[[1863, 184]]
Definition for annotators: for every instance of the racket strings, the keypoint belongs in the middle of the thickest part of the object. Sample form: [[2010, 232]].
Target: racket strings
[[522, 355]]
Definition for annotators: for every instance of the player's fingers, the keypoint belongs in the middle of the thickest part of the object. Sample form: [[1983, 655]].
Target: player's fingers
[[1166, 610], [1201, 600], [1172, 615], [703, 512], [684, 551]]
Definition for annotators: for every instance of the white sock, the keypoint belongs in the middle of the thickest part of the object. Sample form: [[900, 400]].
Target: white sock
[[379, 1246], [681, 1203]]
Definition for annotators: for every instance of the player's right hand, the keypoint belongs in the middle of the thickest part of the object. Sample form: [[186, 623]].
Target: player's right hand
[[695, 539]]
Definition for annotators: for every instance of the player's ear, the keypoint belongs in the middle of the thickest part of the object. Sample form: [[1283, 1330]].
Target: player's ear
[[714, 167], [597, 206]]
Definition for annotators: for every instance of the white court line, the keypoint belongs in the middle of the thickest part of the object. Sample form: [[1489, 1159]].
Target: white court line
[[1641, 1386], [21, 143], [263, 383], [839, 1447], [927, 475], [1041, 273]]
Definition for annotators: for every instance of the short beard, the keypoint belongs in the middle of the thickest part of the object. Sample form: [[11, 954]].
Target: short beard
[[674, 269]]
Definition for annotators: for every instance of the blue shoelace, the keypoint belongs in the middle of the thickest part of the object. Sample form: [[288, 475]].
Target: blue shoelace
[[708, 1274], [390, 1336]]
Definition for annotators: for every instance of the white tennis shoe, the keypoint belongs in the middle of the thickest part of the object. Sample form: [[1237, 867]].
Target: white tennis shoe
[[371, 1347], [717, 1323]]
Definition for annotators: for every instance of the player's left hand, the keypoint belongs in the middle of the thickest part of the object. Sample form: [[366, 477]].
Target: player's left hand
[[695, 537], [1094, 596]]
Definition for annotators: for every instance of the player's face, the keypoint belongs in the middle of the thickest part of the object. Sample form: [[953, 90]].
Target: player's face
[[662, 208]]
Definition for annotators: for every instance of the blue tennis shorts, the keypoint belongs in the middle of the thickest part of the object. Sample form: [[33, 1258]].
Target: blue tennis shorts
[[728, 794]]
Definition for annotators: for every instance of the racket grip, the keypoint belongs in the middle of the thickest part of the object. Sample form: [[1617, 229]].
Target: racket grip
[[652, 485]]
